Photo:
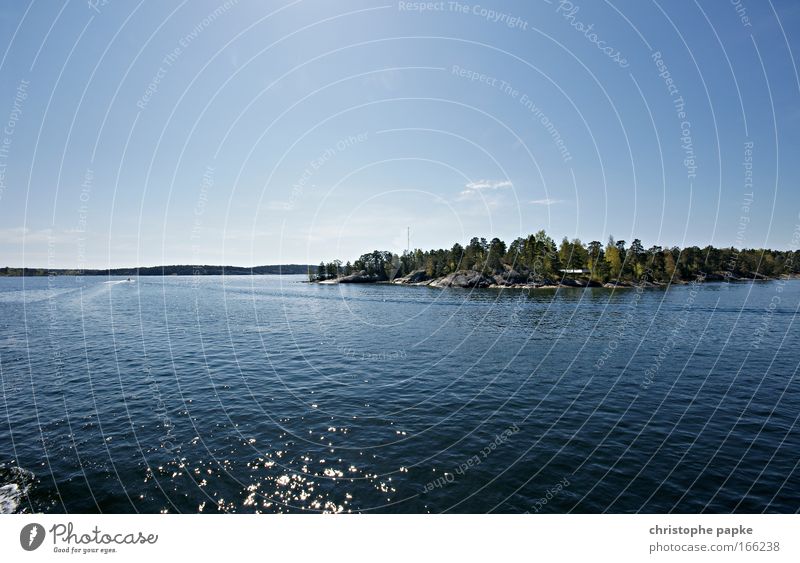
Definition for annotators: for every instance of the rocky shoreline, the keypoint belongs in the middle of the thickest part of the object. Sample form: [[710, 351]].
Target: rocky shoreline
[[472, 279]]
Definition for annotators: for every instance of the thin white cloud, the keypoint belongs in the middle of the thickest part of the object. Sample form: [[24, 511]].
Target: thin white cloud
[[488, 185], [546, 201]]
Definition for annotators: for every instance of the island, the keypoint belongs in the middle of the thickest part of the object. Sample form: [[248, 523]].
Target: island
[[536, 261]]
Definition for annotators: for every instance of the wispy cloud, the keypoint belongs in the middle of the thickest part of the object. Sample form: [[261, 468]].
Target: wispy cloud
[[546, 201], [488, 184], [472, 189]]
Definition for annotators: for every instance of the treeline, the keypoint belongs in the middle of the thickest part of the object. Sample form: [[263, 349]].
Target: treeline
[[537, 258], [177, 270]]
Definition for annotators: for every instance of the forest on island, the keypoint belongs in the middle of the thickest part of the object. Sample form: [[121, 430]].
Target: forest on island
[[538, 258]]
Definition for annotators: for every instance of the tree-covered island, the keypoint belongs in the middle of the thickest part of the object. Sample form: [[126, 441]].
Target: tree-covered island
[[536, 261]]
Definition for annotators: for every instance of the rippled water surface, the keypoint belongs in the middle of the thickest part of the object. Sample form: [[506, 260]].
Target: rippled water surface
[[266, 394]]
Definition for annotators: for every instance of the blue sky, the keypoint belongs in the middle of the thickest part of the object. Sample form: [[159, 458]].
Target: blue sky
[[274, 132]]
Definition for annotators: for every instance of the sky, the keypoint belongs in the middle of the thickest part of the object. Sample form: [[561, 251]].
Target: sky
[[251, 133]]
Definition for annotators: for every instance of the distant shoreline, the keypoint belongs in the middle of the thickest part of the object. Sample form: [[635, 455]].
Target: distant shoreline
[[172, 270]]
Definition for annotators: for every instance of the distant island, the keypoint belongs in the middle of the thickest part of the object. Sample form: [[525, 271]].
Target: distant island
[[536, 261], [179, 270]]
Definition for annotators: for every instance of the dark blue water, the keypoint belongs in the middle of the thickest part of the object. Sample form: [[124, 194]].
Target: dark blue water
[[266, 394]]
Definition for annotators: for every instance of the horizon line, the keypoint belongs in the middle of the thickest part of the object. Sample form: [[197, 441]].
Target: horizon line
[[187, 265]]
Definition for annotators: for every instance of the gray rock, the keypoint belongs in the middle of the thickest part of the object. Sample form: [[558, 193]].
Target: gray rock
[[465, 279], [359, 277], [417, 276], [510, 277]]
